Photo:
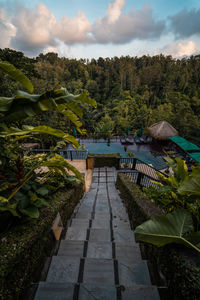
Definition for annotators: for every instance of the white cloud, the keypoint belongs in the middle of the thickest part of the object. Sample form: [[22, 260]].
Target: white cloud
[[33, 31], [118, 28], [34, 28], [180, 49], [7, 30], [114, 11], [39, 29], [73, 30]]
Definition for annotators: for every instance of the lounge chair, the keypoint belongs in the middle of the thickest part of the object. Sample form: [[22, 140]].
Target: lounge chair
[[137, 140], [122, 140], [129, 140]]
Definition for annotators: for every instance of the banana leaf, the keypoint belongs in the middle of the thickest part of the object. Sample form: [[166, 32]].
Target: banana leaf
[[16, 74]]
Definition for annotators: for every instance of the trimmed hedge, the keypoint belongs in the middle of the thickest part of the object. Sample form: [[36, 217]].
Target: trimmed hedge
[[24, 249], [176, 266], [105, 160]]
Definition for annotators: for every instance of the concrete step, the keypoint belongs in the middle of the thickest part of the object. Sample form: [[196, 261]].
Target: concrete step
[[64, 269], [98, 270], [72, 248], [133, 273], [54, 291], [100, 249], [123, 236], [140, 293], [76, 233], [99, 292], [98, 235], [65, 291]]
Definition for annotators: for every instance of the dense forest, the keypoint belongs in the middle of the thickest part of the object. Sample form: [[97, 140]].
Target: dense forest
[[131, 92]]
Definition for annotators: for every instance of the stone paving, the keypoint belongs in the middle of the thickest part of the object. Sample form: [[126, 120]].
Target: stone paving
[[99, 258]]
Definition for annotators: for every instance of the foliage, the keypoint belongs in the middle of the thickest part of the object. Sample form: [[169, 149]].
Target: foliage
[[175, 227], [134, 91], [179, 194], [178, 191], [15, 74], [24, 187]]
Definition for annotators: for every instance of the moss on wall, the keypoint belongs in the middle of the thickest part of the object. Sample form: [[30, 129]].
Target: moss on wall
[[176, 266], [24, 248]]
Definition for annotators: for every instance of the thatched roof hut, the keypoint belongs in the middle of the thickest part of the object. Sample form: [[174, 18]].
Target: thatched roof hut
[[162, 130]]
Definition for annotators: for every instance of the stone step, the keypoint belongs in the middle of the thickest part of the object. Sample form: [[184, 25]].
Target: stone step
[[99, 292], [133, 273], [100, 234], [100, 249], [65, 291], [101, 270], [72, 248], [100, 223], [123, 236], [54, 291], [77, 233], [140, 293], [64, 269]]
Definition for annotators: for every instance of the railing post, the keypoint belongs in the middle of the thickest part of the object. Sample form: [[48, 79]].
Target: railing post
[[140, 176], [134, 164], [71, 155], [86, 163]]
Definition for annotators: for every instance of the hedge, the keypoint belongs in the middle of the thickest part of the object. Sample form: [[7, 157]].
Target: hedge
[[105, 160], [177, 267], [24, 249]]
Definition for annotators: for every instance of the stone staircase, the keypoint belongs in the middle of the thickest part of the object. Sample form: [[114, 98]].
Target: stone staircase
[[99, 258]]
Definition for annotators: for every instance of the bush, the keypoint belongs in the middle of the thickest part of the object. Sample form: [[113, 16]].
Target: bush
[[23, 250], [177, 266]]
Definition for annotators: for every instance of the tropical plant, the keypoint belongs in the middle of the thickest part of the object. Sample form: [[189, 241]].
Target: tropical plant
[[180, 190], [175, 227], [23, 189]]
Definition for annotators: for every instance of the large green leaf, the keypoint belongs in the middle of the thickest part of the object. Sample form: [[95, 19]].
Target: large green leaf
[[181, 170], [59, 164], [14, 131], [16, 74], [30, 211], [172, 228], [191, 185]]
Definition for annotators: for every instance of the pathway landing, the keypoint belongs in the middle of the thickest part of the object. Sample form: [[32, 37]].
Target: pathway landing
[[99, 258]]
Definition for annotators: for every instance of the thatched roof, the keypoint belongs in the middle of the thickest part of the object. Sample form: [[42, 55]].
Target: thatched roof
[[162, 130]]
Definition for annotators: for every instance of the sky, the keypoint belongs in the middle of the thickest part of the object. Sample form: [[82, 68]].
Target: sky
[[101, 28]]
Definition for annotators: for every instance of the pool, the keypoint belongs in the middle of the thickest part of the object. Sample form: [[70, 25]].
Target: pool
[[141, 152]]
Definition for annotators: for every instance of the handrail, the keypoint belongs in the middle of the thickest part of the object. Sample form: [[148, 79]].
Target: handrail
[[140, 178], [133, 161], [67, 154]]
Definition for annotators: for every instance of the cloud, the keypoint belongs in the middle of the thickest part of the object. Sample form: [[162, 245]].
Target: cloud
[[33, 31], [180, 49], [7, 30], [74, 30], [186, 23], [39, 29], [118, 28]]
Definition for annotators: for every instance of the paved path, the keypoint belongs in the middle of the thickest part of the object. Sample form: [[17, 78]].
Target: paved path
[[99, 258]]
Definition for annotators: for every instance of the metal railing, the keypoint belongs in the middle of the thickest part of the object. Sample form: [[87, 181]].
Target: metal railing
[[67, 154], [140, 178], [97, 139], [133, 163]]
